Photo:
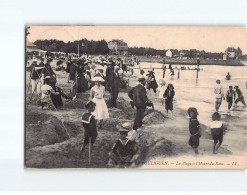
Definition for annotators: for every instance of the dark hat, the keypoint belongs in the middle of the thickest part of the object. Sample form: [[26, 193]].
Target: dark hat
[[216, 116], [192, 109], [89, 104], [235, 87], [49, 59]]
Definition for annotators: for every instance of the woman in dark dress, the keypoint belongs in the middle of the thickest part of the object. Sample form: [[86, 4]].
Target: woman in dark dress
[[168, 95], [80, 84], [194, 128], [56, 97], [151, 81]]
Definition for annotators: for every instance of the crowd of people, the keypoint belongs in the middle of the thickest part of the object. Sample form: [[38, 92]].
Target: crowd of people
[[102, 74]]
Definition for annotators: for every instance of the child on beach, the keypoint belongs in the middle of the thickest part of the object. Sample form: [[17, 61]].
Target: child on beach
[[168, 95], [89, 124], [124, 151], [194, 128], [216, 131], [219, 95], [230, 94], [162, 89], [240, 97]]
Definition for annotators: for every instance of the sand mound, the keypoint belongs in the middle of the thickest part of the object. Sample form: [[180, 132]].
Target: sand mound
[[152, 146], [44, 129], [45, 133], [78, 103], [48, 146], [153, 117], [65, 154]]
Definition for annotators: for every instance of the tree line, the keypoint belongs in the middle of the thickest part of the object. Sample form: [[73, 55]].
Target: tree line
[[101, 48], [85, 46], [142, 51]]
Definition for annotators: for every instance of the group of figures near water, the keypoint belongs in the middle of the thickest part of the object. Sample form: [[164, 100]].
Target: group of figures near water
[[85, 74]]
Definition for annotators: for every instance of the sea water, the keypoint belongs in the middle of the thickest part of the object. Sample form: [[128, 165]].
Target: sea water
[[191, 91]]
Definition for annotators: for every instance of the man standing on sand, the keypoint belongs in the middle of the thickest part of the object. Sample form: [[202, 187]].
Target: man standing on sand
[[109, 73], [47, 71], [115, 84], [35, 75], [69, 63], [139, 96]]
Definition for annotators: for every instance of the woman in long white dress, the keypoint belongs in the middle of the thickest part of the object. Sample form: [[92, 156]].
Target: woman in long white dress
[[97, 96]]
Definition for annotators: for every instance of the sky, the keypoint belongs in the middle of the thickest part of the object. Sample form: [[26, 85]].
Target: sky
[[208, 38]]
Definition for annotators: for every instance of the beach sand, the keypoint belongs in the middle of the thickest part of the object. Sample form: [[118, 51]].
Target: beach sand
[[163, 145]]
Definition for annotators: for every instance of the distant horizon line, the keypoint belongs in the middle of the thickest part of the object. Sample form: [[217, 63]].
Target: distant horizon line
[[136, 46]]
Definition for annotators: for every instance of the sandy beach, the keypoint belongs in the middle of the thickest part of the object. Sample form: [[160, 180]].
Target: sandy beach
[[49, 146]]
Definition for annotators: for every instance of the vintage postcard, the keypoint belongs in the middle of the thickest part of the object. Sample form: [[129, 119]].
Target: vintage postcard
[[136, 97]]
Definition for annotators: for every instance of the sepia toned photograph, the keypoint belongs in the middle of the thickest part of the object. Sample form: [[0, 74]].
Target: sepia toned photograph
[[135, 97]]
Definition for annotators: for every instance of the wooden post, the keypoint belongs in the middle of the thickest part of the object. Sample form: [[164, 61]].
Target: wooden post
[[178, 74], [197, 73]]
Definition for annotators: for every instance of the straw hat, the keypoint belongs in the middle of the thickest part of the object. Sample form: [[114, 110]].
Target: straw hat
[[98, 78], [125, 127]]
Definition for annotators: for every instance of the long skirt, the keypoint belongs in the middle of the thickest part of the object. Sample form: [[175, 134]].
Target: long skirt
[[101, 110], [169, 104], [36, 85]]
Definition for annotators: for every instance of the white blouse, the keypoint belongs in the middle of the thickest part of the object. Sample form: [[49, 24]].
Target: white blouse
[[97, 92]]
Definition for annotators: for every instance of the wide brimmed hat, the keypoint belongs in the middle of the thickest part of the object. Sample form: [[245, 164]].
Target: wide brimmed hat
[[98, 78], [125, 127]]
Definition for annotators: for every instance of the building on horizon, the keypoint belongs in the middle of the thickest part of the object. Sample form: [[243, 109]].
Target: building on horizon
[[169, 53], [33, 51], [118, 47], [232, 53]]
